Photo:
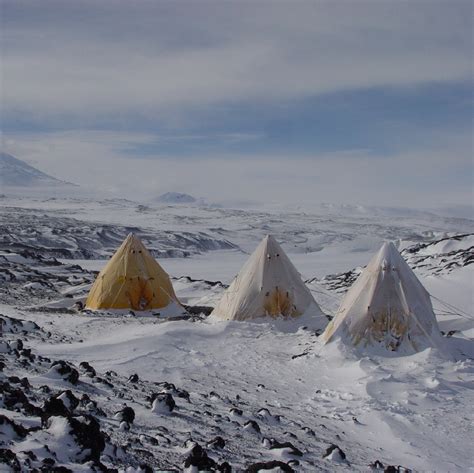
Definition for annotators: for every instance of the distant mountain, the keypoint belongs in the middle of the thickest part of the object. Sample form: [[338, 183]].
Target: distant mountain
[[17, 173], [176, 198]]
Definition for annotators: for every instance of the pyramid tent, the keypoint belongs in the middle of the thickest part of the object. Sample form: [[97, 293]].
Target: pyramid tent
[[387, 306], [132, 279], [267, 285]]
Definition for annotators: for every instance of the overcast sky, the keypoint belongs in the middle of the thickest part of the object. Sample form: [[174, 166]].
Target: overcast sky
[[364, 102]]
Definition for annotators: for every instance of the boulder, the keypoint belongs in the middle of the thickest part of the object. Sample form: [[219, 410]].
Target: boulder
[[65, 371], [334, 453], [269, 465], [199, 459], [127, 414], [162, 403]]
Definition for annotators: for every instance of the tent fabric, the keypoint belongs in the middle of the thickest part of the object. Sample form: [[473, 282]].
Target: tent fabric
[[267, 285], [387, 306], [132, 279]]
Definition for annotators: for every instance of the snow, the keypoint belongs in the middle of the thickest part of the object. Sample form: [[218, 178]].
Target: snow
[[398, 402], [413, 410]]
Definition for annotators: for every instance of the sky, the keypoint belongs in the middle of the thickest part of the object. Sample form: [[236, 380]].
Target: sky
[[366, 102]]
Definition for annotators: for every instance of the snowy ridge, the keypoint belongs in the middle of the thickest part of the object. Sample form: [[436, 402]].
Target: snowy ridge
[[439, 257], [28, 279], [317, 232], [63, 237]]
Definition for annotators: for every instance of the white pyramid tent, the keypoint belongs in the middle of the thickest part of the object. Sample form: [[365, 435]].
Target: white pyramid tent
[[387, 307], [267, 285]]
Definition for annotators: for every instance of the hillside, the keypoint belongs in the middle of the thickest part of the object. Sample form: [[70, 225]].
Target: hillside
[[16, 173]]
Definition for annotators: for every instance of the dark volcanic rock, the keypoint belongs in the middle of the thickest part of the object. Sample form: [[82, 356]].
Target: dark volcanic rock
[[17, 345], [224, 468], [270, 465], [87, 369], [396, 469], [127, 414], [170, 388], [68, 399], [7, 457], [331, 449], [47, 463], [293, 450], [377, 465], [15, 398], [252, 425], [198, 458], [65, 370], [53, 407], [198, 309], [236, 412], [8, 426], [133, 378], [144, 468], [87, 432], [162, 403], [217, 442], [309, 431]]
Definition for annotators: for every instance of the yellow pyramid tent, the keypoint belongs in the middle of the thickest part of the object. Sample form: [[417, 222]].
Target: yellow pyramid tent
[[132, 279]]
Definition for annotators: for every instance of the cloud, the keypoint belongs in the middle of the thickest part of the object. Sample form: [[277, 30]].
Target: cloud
[[254, 100], [118, 60], [101, 160]]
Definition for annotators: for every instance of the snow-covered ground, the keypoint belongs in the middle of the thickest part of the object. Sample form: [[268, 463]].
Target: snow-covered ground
[[414, 411]]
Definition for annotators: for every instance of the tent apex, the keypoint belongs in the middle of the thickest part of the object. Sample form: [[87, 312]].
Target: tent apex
[[389, 248], [132, 236]]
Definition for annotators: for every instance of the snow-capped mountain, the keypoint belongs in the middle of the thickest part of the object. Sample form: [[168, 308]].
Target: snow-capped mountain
[[16, 173], [176, 198]]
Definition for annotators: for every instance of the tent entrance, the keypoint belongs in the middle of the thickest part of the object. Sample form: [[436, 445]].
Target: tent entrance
[[140, 294], [279, 302]]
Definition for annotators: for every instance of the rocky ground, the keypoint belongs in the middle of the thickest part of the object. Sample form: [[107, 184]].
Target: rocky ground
[[59, 416]]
